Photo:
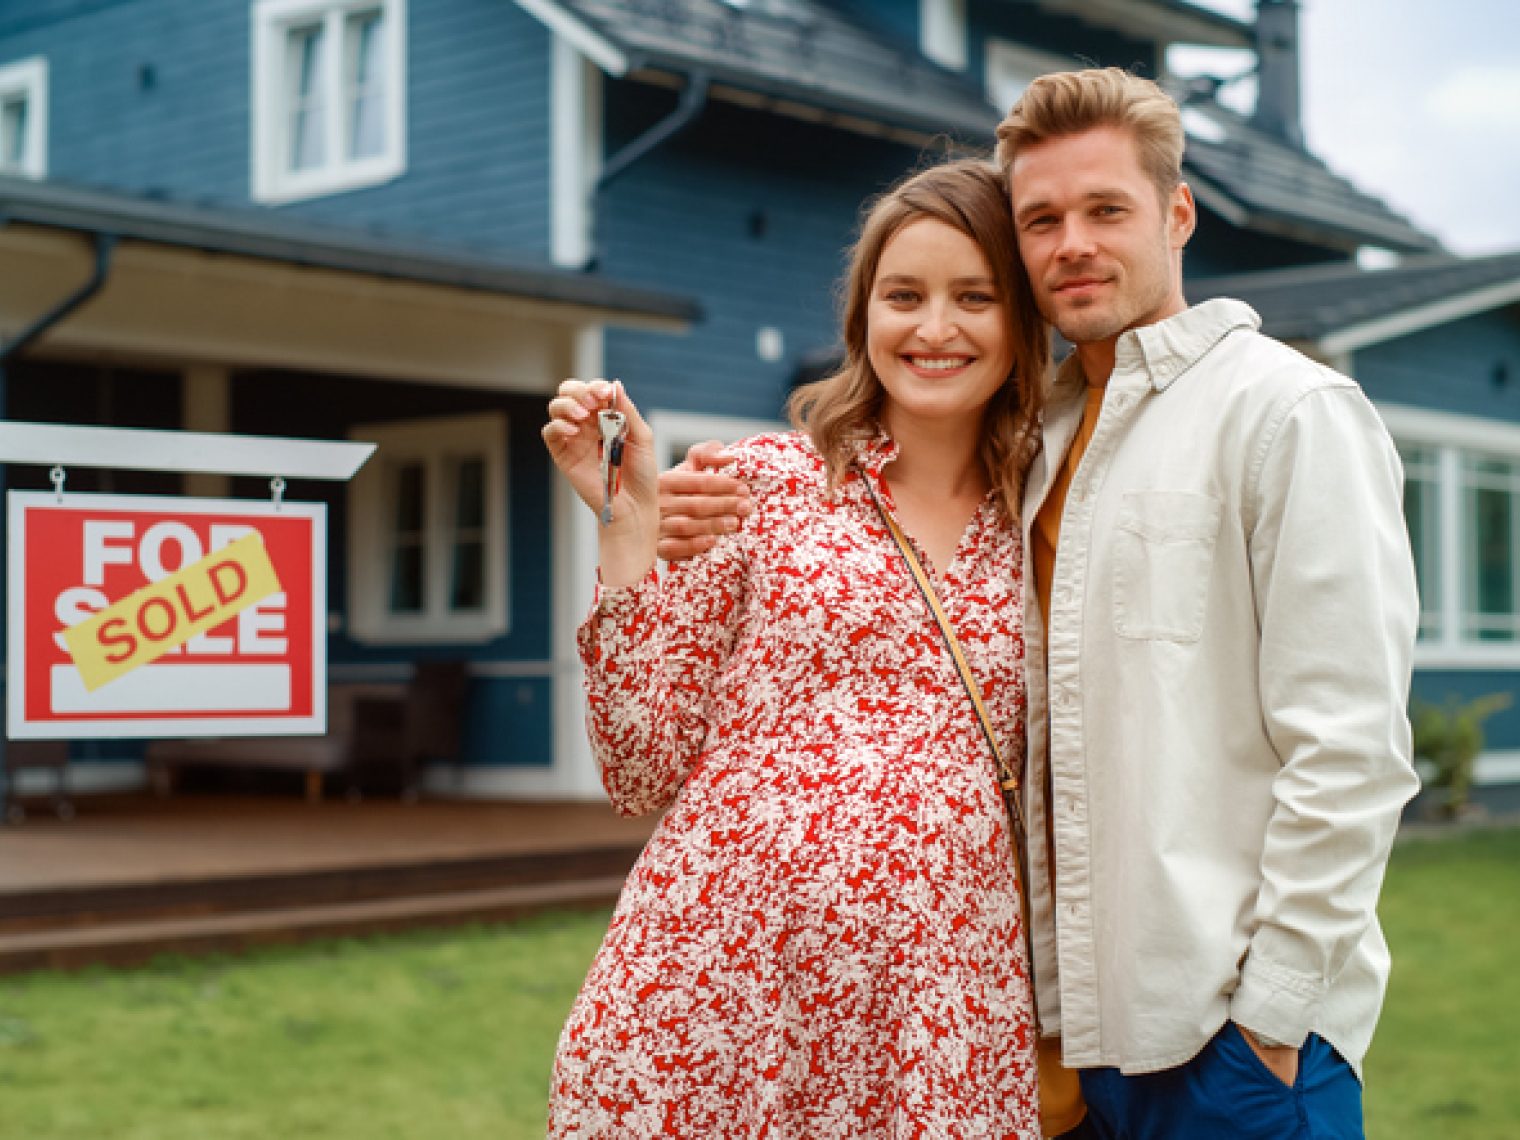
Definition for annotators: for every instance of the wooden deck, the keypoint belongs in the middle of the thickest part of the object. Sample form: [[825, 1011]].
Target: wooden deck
[[133, 876]]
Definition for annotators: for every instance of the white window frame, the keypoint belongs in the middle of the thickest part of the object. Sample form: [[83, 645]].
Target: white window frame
[[273, 180], [1451, 438], [28, 78], [942, 32], [675, 432], [1009, 68], [433, 442]]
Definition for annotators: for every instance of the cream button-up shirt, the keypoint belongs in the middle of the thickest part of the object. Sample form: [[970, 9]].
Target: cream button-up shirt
[[1233, 615]]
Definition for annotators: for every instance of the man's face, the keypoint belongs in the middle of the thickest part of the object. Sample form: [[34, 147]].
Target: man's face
[[1103, 253]]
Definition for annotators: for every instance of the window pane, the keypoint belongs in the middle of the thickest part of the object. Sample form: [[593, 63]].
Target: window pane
[[1421, 504], [467, 577], [13, 133], [364, 84], [408, 496], [1489, 504], [469, 585], [304, 116], [470, 486]]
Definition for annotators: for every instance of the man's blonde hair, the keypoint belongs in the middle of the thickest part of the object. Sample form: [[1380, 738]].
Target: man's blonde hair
[[1066, 103]]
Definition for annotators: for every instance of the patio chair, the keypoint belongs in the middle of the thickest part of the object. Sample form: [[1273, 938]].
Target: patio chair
[[372, 730]]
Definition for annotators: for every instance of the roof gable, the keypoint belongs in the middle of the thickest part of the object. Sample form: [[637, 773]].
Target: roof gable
[[1344, 307], [798, 53], [1259, 181]]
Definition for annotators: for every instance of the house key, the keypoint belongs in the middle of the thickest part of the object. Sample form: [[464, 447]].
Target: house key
[[614, 426]]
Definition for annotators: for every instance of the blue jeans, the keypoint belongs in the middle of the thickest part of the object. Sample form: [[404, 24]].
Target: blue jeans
[[1226, 1093]]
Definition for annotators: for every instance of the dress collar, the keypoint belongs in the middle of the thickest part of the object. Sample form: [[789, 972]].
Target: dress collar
[[874, 452]]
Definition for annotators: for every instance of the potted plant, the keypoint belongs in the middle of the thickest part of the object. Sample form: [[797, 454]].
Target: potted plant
[[1450, 737]]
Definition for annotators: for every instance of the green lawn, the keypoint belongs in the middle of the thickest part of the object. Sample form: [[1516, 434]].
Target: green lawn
[[444, 1035], [450, 1034], [1446, 1061]]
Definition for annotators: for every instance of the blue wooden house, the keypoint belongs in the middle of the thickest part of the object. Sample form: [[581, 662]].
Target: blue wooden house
[[406, 220]]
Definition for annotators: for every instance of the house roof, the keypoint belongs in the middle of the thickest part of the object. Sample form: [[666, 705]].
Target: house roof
[[801, 56], [1166, 21], [271, 237], [796, 53], [1342, 307], [1259, 181]]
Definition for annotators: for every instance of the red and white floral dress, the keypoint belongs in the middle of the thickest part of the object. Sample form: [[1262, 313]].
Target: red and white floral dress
[[822, 938]]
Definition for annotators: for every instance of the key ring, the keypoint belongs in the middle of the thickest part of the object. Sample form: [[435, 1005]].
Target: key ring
[[614, 429]]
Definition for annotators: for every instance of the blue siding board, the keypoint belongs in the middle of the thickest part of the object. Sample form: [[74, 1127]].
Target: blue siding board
[[1471, 367], [478, 113], [509, 722], [681, 220], [894, 19], [1502, 730]]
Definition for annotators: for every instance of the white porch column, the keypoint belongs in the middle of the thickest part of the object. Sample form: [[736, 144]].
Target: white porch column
[[206, 405], [574, 578]]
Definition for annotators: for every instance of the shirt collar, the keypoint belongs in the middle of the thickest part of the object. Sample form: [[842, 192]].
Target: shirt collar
[[1165, 350]]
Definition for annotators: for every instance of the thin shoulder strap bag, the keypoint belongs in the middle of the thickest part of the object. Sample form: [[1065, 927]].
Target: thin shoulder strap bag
[[1061, 1104]]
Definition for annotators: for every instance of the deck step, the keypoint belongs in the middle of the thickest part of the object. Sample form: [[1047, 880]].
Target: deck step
[[203, 896], [132, 942]]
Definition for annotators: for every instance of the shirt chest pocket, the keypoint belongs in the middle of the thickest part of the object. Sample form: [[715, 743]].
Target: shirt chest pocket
[[1163, 552]]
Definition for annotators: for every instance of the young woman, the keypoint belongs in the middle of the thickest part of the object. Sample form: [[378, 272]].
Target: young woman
[[823, 937]]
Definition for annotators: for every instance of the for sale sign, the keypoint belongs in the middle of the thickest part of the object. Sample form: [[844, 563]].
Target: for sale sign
[[135, 616]]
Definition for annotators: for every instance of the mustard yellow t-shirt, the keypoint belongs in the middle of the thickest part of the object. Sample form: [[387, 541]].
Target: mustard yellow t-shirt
[[1047, 524], [1061, 1105]]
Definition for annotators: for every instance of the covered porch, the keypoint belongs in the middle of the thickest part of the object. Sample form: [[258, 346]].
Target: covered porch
[[131, 312]]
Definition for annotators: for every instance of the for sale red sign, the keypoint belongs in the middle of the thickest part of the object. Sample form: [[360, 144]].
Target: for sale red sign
[[135, 616]]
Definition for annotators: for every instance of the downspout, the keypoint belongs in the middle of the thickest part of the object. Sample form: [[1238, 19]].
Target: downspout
[[105, 246], [688, 109]]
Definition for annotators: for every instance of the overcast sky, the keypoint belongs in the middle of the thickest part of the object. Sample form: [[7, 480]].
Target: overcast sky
[[1418, 103]]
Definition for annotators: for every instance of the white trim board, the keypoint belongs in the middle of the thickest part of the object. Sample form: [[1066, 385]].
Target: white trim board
[[29, 79], [144, 449], [578, 35], [575, 157], [1497, 768], [85, 777], [1422, 317], [1435, 428], [942, 32], [507, 783]]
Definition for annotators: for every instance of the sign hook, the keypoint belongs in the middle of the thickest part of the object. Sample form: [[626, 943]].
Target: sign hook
[[57, 476], [277, 489]]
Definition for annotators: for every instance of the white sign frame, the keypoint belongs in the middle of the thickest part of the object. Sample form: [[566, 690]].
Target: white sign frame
[[99, 728]]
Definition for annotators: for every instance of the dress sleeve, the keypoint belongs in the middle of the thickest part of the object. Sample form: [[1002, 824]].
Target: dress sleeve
[[652, 653], [1337, 606]]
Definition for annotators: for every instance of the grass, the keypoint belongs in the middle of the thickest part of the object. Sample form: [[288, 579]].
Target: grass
[[446, 1034], [1447, 1053], [451, 1034]]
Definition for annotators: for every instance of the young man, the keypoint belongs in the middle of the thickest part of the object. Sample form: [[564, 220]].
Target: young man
[[1221, 589]]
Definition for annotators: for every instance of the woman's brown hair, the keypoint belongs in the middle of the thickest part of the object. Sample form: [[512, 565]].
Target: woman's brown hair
[[837, 412]]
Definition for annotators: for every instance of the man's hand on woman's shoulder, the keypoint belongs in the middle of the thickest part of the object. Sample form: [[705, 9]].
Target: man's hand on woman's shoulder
[[698, 502]]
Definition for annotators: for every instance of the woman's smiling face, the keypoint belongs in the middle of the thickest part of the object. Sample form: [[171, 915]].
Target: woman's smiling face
[[937, 330]]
